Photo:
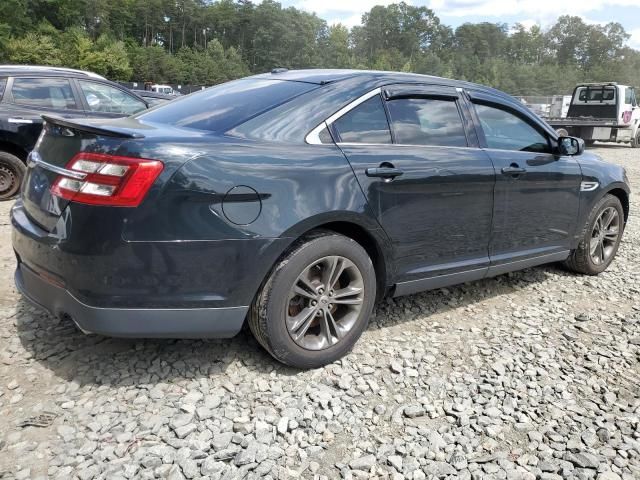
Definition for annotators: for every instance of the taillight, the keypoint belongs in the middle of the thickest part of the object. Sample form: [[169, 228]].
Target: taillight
[[108, 179]]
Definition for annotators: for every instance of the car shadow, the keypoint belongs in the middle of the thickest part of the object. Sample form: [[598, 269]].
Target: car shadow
[[59, 346], [444, 300], [608, 145]]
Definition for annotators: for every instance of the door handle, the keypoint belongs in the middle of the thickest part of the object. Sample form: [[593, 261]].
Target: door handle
[[514, 169], [383, 172]]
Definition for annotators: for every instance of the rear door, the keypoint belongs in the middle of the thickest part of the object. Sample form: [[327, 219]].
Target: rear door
[[27, 98], [537, 191], [431, 187]]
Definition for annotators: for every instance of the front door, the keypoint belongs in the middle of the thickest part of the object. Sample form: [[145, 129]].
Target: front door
[[537, 191], [429, 184]]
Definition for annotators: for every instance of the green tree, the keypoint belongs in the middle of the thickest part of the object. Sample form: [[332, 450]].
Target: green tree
[[35, 49]]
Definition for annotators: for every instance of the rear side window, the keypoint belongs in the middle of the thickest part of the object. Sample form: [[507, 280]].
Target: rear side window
[[426, 121], [3, 83], [43, 92], [505, 131], [366, 123], [220, 108]]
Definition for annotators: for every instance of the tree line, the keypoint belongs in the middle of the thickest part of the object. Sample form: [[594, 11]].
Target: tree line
[[202, 42]]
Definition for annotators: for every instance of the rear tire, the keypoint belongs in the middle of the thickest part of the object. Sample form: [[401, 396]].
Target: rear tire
[[635, 142], [316, 302], [12, 171], [600, 239]]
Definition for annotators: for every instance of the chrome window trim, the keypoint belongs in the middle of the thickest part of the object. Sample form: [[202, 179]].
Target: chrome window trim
[[313, 137], [356, 144]]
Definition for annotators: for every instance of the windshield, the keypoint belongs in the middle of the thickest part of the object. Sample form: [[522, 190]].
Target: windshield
[[219, 108]]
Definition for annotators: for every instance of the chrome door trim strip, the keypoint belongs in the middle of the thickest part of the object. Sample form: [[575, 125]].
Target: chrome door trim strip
[[313, 137], [19, 120]]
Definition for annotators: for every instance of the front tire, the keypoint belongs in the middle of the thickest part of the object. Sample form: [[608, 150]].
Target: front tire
[[12, 171], [601, 238], [316, 302]]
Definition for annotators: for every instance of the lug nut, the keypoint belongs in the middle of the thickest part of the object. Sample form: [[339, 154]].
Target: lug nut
[[321, 291], [313, 303]]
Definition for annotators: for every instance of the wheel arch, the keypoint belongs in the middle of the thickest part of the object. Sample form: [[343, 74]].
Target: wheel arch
[[359, 227], [367, 241], [623, 196], [13, 149]]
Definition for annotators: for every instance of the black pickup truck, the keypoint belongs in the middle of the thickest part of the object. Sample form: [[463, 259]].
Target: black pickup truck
[[27, 92]]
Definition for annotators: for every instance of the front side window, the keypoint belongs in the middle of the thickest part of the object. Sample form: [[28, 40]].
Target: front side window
[[43, 92], [505, 131], [366, 123], [426, 121], [107, 99], [3, 83]]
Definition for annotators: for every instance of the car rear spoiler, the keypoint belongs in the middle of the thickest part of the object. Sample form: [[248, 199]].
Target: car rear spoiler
[[87, 126]]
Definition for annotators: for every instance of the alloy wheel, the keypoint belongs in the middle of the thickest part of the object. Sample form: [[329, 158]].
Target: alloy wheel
[[324, 302], [604, 236]]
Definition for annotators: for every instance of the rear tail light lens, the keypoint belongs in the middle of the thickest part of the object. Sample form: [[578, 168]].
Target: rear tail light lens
[[109, 180]]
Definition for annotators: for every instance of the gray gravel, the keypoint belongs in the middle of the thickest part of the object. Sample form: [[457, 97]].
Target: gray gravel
[[532, 375]]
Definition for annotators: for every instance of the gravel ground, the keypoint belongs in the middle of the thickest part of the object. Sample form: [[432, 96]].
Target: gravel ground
[[530, 375]]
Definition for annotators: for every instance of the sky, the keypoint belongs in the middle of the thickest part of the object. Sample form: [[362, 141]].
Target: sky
[[457, 12]]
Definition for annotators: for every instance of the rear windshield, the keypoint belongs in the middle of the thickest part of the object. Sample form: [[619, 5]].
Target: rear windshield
[[595, 94], [220, 108]]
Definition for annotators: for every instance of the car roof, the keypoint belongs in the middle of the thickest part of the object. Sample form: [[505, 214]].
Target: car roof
[[325, 76], [46, 70]]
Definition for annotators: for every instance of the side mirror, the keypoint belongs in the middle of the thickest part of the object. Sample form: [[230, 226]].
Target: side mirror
[[570, 146]]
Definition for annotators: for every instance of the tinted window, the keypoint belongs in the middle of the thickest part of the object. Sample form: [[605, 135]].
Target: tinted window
[[108, 99], [325, 136], [3, 83], [597, 94], [43, 92], [224, 106], [366, 123], [629, 96], [425, 121], [506, 131]]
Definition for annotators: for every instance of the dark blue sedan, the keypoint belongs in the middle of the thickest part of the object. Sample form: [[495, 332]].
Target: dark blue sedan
[[294, 200]]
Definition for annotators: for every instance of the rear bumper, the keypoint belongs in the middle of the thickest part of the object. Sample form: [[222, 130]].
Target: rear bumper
[[129, 322]]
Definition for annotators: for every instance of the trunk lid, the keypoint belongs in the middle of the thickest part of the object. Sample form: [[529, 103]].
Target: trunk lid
[[59, 142]]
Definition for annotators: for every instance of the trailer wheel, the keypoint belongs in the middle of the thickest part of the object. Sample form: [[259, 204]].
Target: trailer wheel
[[635, 142]]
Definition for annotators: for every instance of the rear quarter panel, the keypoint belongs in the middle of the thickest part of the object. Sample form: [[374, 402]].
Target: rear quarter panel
[[296, 188]]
